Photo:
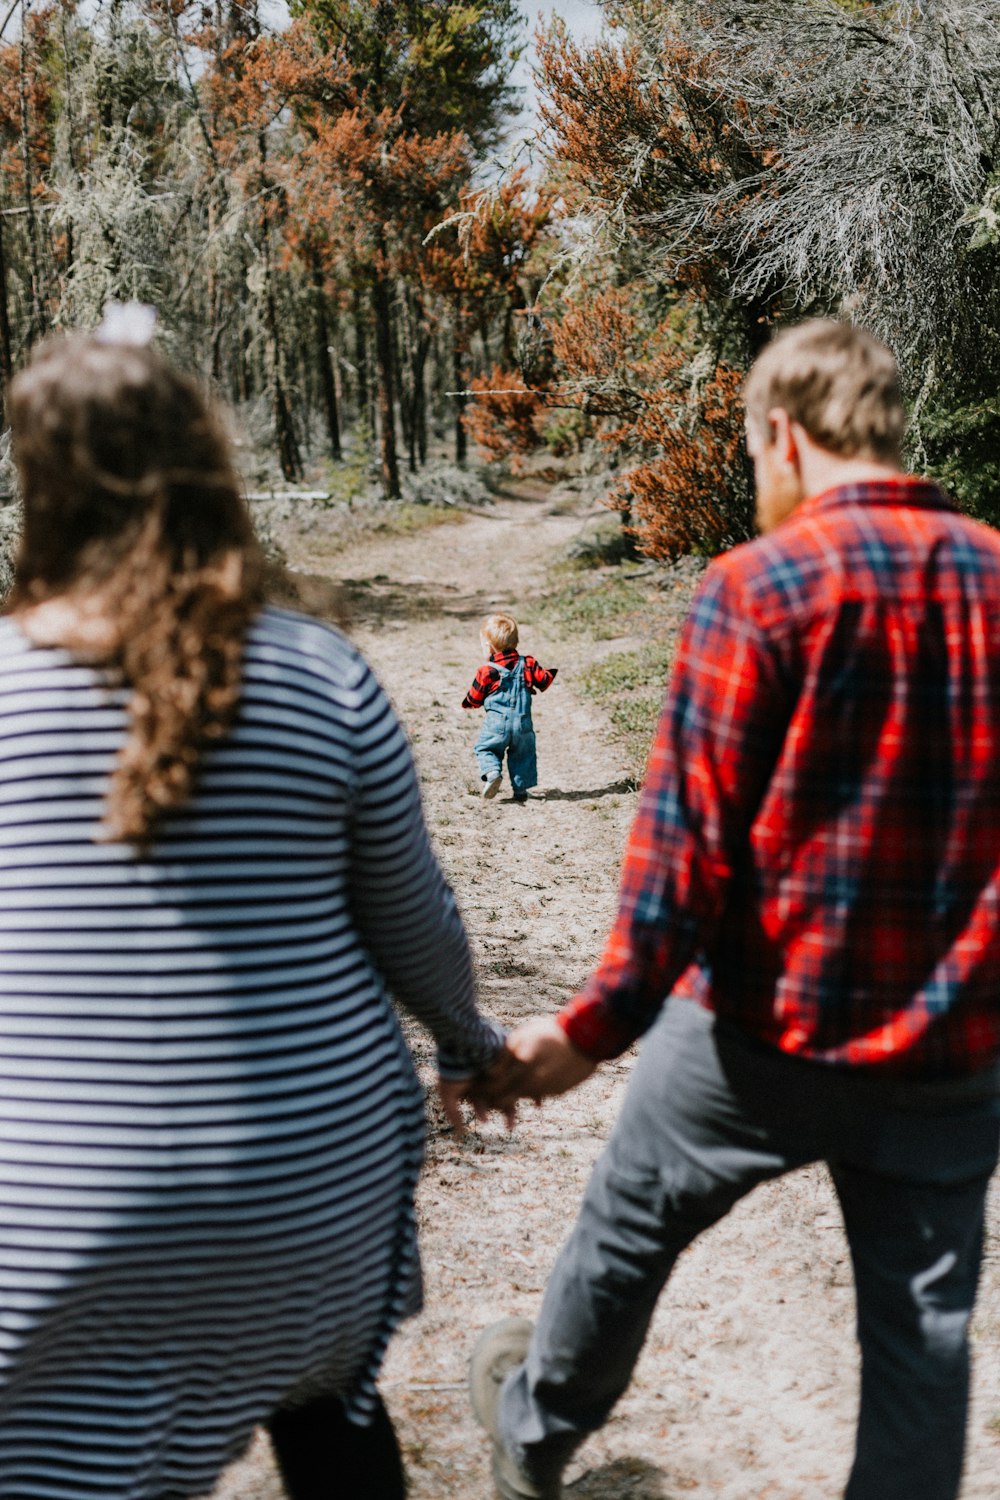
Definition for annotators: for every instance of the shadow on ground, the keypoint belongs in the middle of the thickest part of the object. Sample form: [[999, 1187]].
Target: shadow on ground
[[554, 794], [625, 1479], [378, 600]]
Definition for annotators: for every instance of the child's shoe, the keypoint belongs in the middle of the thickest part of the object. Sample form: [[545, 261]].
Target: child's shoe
[[491, 787]]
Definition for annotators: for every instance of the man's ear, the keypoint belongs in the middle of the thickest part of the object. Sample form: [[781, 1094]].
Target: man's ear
[[781, 436]]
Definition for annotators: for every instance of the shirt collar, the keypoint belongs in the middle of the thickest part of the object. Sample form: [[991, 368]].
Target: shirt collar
[[902, 489], [503, 658]]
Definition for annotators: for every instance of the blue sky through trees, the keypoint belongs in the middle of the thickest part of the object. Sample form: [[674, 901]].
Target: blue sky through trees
[[582, 17]]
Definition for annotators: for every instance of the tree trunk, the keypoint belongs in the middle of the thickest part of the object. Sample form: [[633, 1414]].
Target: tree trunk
[[362, 395], [37, 323], [409, 435], [418, 348], [6, 344], [284, 432], [386, 393], [288, 448], [418, 394], [404, 365], [70, 138], [324, 363], [461, 401], [420, 415]]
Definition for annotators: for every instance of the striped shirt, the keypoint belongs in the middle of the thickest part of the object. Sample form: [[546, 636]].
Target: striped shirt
[[210, 1125]]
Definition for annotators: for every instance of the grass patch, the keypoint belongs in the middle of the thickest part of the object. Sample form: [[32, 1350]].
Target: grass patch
[[634, 723], [633, 683], [630, 684], [405, 517], [605, 606], [629, 672], [603, 545]]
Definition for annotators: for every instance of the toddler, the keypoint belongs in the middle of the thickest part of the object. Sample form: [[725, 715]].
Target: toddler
[[504, 686]]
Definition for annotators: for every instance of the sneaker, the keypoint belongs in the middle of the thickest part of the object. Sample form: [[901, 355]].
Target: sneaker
[[499, 1350], [491, 787]]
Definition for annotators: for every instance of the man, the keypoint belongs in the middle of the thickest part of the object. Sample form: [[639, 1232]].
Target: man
[[813, 878]]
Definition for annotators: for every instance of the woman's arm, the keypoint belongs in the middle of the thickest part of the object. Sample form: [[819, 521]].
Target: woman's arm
[[404, 909]]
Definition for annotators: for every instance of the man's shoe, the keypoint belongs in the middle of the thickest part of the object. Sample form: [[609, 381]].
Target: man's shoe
[[499, 1350], [491, 788]]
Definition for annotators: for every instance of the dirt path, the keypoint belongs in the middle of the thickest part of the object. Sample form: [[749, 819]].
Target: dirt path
[[747, 1388]]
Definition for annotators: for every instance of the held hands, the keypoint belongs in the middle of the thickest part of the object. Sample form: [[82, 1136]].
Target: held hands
[[551, 1062], [538, 1061], [498, 1088]]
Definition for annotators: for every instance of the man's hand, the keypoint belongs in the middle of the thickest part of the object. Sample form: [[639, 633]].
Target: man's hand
[[538, 1060], [550, 1062]]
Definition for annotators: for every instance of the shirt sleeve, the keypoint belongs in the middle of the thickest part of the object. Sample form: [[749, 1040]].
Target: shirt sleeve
[[719, 735], [538, 678], [484, 680], [403, 908]]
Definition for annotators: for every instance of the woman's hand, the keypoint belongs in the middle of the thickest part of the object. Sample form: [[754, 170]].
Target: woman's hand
[[451, 1092], [537, 1062], [498, 1088]]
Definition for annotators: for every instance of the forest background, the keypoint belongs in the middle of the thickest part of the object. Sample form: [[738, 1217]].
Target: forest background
[[342, 232]]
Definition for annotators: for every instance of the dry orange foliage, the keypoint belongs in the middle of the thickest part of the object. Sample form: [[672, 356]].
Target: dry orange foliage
[[685, 488], [504, 417], [627, 140]]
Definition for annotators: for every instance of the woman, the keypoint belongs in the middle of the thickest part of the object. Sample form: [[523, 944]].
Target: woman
[[212, 864]]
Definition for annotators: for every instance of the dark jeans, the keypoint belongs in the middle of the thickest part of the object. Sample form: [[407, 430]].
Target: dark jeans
[[708, 1115], [323, 1456]]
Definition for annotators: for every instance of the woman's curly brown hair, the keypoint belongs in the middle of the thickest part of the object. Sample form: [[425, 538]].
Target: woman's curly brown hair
[[133, 513]]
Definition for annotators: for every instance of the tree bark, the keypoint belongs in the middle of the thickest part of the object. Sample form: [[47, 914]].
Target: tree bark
[[404, 366], [37, 326], [6, 343], [382, 310], [362, 393], [418, 397], [288, 449], [420, 413], [324, 363], [461, 401], [419, 347]]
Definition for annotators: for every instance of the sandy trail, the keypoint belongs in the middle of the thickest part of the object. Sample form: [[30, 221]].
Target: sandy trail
[[747, 1388]]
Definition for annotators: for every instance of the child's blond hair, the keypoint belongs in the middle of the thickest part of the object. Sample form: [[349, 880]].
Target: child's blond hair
[[499, 632]]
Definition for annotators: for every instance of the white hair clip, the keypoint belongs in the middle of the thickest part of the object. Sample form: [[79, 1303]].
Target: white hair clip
[[126, 323]]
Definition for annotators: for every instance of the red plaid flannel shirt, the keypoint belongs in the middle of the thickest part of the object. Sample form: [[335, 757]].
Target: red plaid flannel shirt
[[487, 679], [816, 852]]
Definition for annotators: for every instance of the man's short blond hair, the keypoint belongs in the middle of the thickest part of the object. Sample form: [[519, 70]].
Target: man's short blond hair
[[837, 382], [500, 631]]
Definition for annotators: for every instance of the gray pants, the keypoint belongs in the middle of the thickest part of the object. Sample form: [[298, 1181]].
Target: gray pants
[[708, 1115]]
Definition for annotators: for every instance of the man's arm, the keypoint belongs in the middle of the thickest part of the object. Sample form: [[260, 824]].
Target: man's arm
[[719, 735]]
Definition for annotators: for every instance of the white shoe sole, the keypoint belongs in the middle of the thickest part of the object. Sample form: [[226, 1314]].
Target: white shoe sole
[[499, 1350]]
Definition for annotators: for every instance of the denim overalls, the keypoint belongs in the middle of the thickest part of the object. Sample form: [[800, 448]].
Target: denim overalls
[[508, 727]]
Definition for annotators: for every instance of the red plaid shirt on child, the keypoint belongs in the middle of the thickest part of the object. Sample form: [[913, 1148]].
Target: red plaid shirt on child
[[487, 679], [816, 853]]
